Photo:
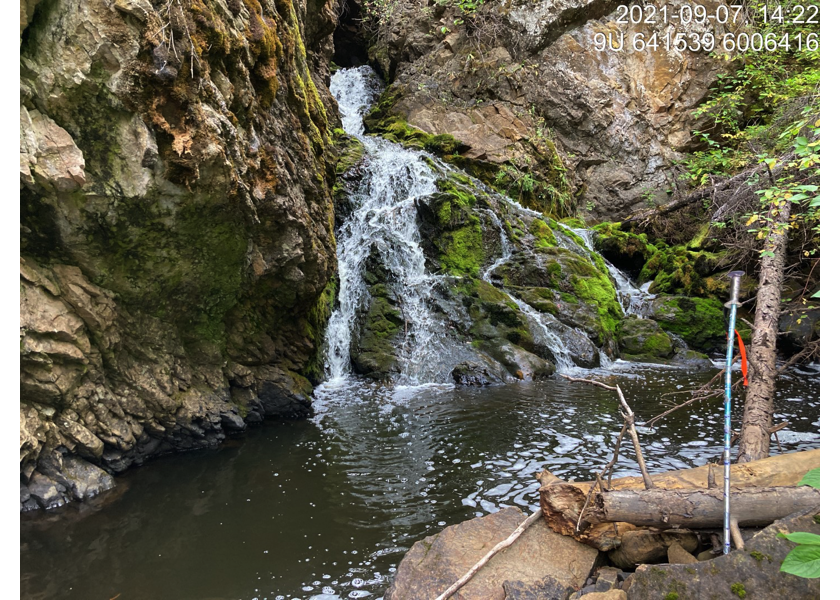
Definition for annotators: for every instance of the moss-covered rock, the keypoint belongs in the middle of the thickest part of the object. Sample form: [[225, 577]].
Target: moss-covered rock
[[700, 322], [373, 353], [677, 270], [627, 251], [543, 235], [452, 232], [643, 337]]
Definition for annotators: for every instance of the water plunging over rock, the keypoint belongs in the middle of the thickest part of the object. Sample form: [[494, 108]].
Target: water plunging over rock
[[442, 279]]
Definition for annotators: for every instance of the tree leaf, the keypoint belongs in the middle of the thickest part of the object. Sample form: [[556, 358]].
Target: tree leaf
[[802, 537], [812, 477], [803, 561], [816, 295]]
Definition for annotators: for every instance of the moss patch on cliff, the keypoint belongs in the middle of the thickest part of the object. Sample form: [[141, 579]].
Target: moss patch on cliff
[[461, 250], [313, 330], [626, 250]]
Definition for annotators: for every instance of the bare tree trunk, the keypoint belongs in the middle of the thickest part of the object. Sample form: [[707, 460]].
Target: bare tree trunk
[[758, 408]]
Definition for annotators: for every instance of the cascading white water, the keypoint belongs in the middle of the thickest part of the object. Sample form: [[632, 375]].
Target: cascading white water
[[633, 300], [538, 321], [503, 238], [544, 335], [384, 217]]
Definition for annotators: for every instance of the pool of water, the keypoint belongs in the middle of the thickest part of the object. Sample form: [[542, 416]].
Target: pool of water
[[326, 508]]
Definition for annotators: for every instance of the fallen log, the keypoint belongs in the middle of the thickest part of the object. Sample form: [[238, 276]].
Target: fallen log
[[698, 508], [779, 470]]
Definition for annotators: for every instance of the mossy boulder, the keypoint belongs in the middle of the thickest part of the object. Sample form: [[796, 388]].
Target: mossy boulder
[[627, 251], [678, 270], [452, 232], [543, 235], [493, 314], [700, 322], [643, 337], [519, 362], [373, 350], [578, 278], [373, 353]]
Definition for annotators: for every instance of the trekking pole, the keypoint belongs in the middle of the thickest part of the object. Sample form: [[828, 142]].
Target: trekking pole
[[732, 305]]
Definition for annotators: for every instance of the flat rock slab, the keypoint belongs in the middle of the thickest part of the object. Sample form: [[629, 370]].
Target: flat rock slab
[[435, 563], [753, 571]]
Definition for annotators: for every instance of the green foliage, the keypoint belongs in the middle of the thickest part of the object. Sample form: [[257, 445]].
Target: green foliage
[[550, 198], [751, 105], [811, 478], [804, 559], [739, 590]]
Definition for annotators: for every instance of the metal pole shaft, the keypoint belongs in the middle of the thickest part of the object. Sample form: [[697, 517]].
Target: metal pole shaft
[[727, 426]]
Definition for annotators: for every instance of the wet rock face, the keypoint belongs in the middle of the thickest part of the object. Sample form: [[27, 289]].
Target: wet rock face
[[176, 228], [516, 75]]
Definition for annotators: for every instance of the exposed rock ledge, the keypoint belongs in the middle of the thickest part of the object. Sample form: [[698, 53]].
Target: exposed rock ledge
[[176, 228]]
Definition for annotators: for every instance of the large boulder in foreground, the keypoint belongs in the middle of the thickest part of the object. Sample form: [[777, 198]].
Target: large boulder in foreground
[[436, 562], [749, 573]]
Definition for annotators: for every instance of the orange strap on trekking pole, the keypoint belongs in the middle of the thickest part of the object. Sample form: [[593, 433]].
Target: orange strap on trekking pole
[[743, 350]]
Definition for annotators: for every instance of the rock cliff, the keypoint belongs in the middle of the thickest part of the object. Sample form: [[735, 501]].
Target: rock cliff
[[525, 89], [177, 246]]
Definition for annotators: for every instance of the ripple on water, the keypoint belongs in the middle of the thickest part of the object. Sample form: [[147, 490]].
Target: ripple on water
[[339, 500]]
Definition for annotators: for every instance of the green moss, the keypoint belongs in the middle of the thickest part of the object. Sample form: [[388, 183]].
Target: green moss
[[543, 236], [461, 250], [698, 321], [459, 191], [657, 345], [573, 222], [441, 144], [350, 152], [555, 271], [672, 596], [597, 290], [738, 590], [576, 238], [314, 325], [677, 270], [759, 556]]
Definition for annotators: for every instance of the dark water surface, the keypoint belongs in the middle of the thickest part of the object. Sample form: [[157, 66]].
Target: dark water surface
[[327, 508]]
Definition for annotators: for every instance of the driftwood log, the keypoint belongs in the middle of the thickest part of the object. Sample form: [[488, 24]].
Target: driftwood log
[[601, 523], [751, 507], [605, 518], [779, 470]]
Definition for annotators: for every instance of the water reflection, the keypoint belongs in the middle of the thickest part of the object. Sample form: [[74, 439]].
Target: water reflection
[[326, 508]]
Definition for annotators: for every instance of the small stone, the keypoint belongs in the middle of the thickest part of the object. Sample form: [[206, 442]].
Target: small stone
[[677, 555], [707, 555]]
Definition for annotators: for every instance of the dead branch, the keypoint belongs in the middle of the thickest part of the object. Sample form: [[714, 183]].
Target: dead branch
[[629, 425], [500, 546]]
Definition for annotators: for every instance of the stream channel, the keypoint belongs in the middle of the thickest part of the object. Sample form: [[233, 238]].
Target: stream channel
[[326, 508]]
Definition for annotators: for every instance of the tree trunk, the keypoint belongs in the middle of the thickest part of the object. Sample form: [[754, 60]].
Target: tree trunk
[[758, 408]]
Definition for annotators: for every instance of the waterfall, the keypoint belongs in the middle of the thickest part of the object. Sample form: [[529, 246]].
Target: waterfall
[[384, 223], [505, 242], [384, 217], [633, 300]]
